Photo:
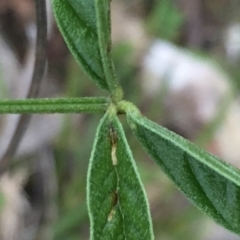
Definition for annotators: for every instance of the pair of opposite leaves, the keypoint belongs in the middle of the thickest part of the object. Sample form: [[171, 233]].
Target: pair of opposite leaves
[[117, 202]]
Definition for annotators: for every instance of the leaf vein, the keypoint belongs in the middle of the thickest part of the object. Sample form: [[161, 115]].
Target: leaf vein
[[201, 189], [81, 20]]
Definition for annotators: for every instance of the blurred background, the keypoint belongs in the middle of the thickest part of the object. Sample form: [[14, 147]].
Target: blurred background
[[177, 60]]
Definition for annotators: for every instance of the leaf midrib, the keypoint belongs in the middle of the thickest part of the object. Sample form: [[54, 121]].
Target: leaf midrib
[[212, 163], [203, 193]]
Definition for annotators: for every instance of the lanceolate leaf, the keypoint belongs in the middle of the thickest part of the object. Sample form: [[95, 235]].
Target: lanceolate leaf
[[77, 22], [212, 185], [117, 203]]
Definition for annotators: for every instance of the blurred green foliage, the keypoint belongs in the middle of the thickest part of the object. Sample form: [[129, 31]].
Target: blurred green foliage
[[165, 20]]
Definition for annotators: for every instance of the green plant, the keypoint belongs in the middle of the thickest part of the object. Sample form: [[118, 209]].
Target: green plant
[[117, 204], [165, 20]]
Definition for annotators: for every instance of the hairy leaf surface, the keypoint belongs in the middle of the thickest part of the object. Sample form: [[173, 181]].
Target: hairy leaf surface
[[117, 203], [104, 36], [212, 185], [78, 25]]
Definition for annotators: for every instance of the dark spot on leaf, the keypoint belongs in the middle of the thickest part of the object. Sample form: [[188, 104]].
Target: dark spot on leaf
[[114, 197], [113, 135]]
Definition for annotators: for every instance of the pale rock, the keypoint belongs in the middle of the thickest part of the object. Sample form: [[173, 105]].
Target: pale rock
[[195, 86], [232, 42]]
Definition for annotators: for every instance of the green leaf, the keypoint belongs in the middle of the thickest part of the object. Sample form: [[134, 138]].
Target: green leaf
[[117, 203], [104, 36], [78, 25], [212, 185]]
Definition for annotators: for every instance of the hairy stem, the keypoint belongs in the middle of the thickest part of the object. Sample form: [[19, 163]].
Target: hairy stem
[[54, 105]]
